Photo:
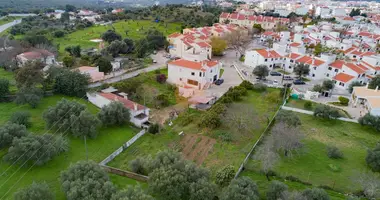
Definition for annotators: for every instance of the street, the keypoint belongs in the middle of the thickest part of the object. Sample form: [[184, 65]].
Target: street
[[8, 25]]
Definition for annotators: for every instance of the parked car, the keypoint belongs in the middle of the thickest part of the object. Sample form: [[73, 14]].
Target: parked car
[[275, 82], [154, 61], [288, 78], [299, 82], [274, 73], [219, 81]]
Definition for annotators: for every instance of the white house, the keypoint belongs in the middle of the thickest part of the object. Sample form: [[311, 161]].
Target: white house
[[42, 55], [139, 115], [370, 98], [191, 74], [270, 58]]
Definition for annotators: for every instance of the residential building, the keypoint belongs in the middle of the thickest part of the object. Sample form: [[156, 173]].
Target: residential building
[[139, 115], [92, 72], [270, 58], [369, 98], [195, 75], [42, 55]]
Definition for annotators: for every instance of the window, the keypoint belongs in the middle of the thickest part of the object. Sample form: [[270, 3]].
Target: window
[[200, 74], [290, 67], [193, 73], [265, 60], [330, 68], [192, 82], [292, 61], [270, 66], [341, 84], [315, 68], [354, 56], [336, 70], [180, 79], [327, 75], [272, 59], [204, 74], [313, 75], [211, 71]]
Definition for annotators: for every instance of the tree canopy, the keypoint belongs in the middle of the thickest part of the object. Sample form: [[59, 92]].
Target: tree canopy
[[261, 71], [114, 114], [10, 131], [218, 46], [375, 82], [373, 159], [301, 70], [104, 65], [36, 191], [242, 188], [110, 36], [132, 193], [70, 83], [4, 87]]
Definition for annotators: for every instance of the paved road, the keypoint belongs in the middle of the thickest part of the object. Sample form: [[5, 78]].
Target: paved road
[[10, 24], [161, 64]]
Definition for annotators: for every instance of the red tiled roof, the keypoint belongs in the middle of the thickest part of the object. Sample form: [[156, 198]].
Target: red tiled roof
[[174, 35], [310, 61], [355, 68], [349, 50], [224, 15], [192, 64], [203, 44], [365, 34], [268, 54], [36, 54], [338, 64], [342, 77], [294, 56], [295, 44], [127, 103]]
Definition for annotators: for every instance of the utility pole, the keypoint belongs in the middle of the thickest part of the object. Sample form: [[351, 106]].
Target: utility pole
[[85, 146]]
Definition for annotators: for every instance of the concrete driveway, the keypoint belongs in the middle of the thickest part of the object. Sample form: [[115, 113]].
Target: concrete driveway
[[231, 79]]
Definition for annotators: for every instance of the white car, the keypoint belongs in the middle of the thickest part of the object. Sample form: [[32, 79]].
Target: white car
[[275, 82]]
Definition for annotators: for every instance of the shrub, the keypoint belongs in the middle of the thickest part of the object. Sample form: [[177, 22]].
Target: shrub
[[308, 105], [247, 85], [161, 78], [36, 191], [21, 118], [154, 128], [344, 101], [225, 100], [218, 108], [334, 153], [210, 120], [288, 117], [139, 166], [59, 34], [9, 132], [326, 112], [370, 120], [373, 159], [277, 190], [225, 137], [259, 87], [225, 175], [315, 193]]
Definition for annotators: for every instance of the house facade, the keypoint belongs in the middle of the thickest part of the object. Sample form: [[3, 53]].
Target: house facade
[[192, 74], [369, 98], [42, 55], [139, 115]]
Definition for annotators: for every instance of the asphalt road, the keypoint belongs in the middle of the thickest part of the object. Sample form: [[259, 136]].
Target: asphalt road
[[10, 24]]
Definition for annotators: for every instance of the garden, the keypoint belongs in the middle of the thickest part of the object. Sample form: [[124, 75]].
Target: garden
[[328, 153]]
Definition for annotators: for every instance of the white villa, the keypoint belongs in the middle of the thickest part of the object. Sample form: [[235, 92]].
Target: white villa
[[369, 98]]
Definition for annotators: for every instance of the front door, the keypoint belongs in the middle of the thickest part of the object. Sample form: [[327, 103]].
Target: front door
[[215, 78]]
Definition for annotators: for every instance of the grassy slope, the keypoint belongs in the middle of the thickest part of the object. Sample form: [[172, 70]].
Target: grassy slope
[[222, 153], [312, 165], [7, 20], [136, 29], [107, 141]]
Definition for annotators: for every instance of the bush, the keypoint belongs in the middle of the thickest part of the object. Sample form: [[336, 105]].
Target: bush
[[59, 34], [210, 120], [225, 175], [36, 191], [154, 128], [9, 132], [373, 159], [225, 137], [308, 105], [334, 153], [161, 78], [218, 108], [162, 100], [247, 85], [225, 99], [259, 87], [326, 112], [21, 118], [370, 120], [315, 194], [288, 117], [277, 190], [344, 101], [139, 166]]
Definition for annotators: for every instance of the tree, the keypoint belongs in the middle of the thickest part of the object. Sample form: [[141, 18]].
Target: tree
[[225, 175], [318, 49], [154, 128], [84, 125], [375, 82], [237, 39], [142, 47], [58, 116], [277, 190], [301, 70], [370, 120], [242, 188], [326, 112], [114, 113], [129, 46], [328, 85], [110, 36], [286, 138], [10, 131], [267, 155], [288, 117], [104, 65], [373, 158], [36, 191], [30, 74], [68, 61], [29, 95], [70, 83], [210, 120], [21, 118], [258, 29], [135, 193], [315, 194], [80, 179], [161, 78], [354, 84], [70, 8], [369, 183], [4, 88], [218, 46], [261, 71], [59, 33], [36, 149], [318, 88], [334, 153], [116, 47], [74, 51], [238, 116], [65, 17], [156, 39], [355, 12]]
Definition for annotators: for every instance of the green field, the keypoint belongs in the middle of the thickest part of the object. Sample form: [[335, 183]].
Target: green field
[[10, 77], [299, 103], [314, 166], [222, 153], [136, 30], [108, 140]]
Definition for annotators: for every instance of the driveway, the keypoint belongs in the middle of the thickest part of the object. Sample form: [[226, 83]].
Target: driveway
[[161, 64], [231, 79]]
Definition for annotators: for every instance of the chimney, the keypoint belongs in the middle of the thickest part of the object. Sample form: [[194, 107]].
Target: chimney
[[135, 106]]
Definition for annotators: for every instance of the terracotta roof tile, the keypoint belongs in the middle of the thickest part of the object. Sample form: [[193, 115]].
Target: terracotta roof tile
[[127, 103], [342, 77], [337, 64]]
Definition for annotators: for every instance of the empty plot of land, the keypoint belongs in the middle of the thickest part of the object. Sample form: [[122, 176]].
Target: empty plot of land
[[196, 147]]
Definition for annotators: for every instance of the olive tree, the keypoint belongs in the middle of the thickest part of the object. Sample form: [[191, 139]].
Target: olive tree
[[114, 113], [21, 118], [225, 175], [277, 190], [373, 159], [86, 180], [4, 87], [315, 194], [36, 149], [242, 188], [326, 112], [10, 131], [36, 191], [84, 125], [288, 117], [267, 156], [29, 95], [261, 71], [135, 193]]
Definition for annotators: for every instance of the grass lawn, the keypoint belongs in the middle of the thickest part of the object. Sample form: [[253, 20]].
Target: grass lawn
[[136, 30], [263, 185], [123, 182], [299, 103], [221, 153], [7, 20], [108, 140], [10, 77], [314, 166], [151, 88], [221, 72]]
